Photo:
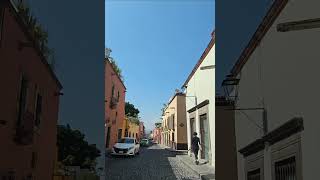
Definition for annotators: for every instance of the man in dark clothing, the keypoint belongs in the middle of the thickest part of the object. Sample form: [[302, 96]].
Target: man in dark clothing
[[195, 144]]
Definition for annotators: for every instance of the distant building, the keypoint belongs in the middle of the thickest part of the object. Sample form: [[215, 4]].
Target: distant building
[[132, 129], [114, 106], [142, 130], [156, 133], [29, 102], [174, 123], [200, 104]]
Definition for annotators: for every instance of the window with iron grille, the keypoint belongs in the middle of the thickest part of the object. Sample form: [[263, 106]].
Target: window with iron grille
[[286, 169], [119, 133], [22, 99], [7, 175], [172, 119], [172, 137], [38, 110], [112, 91], [254, 175], [1, 22], [33, 160]]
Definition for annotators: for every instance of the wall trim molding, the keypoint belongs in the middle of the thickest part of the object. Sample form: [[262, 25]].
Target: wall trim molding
[[284, 131]]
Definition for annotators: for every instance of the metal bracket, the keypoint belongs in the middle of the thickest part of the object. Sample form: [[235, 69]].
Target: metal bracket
[[299, 25]]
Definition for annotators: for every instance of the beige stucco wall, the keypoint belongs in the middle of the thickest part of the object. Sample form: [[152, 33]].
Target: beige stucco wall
[[181, 134], [202, 85], [176, 106], [284, 71]]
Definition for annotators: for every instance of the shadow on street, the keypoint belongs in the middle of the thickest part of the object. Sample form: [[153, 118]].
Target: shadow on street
[[153, 163]]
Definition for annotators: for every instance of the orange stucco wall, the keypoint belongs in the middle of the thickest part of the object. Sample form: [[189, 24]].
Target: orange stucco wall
[[114, 118], [14, 63]]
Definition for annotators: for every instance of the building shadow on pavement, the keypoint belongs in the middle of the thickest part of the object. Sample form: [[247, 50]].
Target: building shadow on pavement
[[151, 164]]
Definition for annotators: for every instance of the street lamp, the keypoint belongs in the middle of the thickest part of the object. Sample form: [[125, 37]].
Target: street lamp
[[230, 85]]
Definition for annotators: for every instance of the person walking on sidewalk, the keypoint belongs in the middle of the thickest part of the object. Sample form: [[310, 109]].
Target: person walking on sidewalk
[[196, 146]]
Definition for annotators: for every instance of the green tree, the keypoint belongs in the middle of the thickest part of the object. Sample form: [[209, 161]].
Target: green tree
[[164, 106], [131, 111], [37, 31], [113, 63], [74, 150], [158, 124]]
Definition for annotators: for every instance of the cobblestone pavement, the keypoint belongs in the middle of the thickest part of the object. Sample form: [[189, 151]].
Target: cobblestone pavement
[[153, 163]]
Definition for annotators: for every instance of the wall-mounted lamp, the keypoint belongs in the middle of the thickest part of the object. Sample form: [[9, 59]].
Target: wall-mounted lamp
[[230, 85]]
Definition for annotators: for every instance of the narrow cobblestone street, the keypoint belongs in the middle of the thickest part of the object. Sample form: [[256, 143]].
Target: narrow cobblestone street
[[153, 163]]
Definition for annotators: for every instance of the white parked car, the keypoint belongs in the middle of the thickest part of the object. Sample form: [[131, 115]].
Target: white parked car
[[126, 146]]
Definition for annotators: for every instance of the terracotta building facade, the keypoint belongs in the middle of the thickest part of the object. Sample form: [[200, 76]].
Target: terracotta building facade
[[114, 106], [141, 130], [29, 102]]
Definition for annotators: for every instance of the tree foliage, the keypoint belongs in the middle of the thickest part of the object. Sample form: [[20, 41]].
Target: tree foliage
[[164, 106], [37, 31], [113, 63], [158, 125], [131, 111], [74, 150]]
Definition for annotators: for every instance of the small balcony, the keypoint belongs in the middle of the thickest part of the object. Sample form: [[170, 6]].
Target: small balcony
[[113, 102]]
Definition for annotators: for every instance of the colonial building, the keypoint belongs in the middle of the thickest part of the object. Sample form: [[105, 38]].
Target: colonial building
[[141, 130], [200, 102], [274, 84], [132, 128], [29, 102], [174, 122], [114, 106], [157, 133]]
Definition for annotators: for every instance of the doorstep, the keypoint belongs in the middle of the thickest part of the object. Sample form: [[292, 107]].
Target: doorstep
[[204, 170]]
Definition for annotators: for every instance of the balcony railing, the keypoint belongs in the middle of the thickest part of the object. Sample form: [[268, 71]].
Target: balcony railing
[[113, 102]]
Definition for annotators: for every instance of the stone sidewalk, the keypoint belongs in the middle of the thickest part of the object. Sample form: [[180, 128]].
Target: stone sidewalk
[[204, 170]]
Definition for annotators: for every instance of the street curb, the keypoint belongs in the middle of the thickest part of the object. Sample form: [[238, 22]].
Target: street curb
[[202, 176], [189, 167]]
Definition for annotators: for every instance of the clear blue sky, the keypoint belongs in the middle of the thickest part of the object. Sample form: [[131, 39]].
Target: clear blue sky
[[157, 44], [236, 21]]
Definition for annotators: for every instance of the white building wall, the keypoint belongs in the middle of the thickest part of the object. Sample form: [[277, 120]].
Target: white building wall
[[284, 71], [202, 85]]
